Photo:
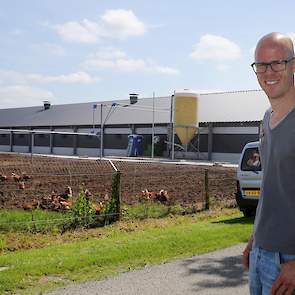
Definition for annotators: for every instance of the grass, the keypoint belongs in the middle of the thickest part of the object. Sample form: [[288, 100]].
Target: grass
[[32, 221], [37, 221], [143, 211], [130, 244], [37, 229]]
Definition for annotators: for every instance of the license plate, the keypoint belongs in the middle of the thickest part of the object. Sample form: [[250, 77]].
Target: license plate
[[252, 193]]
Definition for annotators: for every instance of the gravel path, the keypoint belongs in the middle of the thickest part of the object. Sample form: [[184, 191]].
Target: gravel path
[[218, 272]]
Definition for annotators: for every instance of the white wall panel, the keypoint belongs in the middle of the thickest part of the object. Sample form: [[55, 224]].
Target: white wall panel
[[203, 130], [235, 130], [5, 148], [90, 152], [63, 151], [148, 130], [117, 131], [41, 150], [20, 149], [115, 152]]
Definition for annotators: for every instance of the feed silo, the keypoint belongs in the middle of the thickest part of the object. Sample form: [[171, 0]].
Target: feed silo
[[185, 116]]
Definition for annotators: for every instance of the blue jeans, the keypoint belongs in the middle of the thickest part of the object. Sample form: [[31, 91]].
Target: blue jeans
[[264, 268]]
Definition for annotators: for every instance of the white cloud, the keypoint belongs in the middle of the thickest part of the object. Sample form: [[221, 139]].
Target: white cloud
[[130, 65], [166, 70], [84, 31], [79, 77], [215, 48], [117, 60], [12, 77], [122, 24], [115, 23], [109, 53], [16, 95]]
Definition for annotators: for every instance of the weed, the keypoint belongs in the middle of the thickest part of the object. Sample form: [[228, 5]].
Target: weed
[[83, 213]]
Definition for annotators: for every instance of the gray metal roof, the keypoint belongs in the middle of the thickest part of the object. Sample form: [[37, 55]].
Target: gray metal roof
[[82, 114], [212, 107]]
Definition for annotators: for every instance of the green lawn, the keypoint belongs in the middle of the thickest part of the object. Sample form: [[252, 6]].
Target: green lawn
[[131, 244], [18, 220]]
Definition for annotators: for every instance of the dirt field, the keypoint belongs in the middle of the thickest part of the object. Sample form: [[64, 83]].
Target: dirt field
[[185, 184]]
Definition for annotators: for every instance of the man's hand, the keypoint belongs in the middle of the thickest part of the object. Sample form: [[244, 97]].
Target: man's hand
[[246, 253], [285, 283]]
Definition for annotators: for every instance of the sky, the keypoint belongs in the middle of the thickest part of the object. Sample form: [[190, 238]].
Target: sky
[[69, 51]]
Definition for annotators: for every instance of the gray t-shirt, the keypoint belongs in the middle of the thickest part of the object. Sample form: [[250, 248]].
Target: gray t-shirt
[[274, 227]]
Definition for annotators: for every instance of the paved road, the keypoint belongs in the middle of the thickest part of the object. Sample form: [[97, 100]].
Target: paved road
[[217, 272]]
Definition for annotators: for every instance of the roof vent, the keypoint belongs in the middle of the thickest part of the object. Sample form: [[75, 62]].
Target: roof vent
[[133, 98], [46, 104]]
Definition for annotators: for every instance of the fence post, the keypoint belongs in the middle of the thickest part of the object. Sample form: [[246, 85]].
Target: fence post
[[116, 195], [206, 190]]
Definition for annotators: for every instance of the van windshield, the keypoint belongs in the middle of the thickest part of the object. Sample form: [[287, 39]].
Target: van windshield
[[251, 160]]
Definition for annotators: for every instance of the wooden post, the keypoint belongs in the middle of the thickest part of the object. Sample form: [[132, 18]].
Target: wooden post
[[206, 190], [115, 199]]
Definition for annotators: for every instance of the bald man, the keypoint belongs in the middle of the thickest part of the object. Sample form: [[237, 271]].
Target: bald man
[[270, 252]]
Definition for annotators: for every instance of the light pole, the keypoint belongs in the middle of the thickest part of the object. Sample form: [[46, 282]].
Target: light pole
[[173, 118], [94, 107], [101, 132], [133, 100], [102, 123], [153, 126]]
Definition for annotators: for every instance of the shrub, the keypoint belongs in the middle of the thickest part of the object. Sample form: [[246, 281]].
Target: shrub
[[111, 209], [83, 214]]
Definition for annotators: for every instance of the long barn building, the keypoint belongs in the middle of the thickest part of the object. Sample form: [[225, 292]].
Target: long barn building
[[226, 122]]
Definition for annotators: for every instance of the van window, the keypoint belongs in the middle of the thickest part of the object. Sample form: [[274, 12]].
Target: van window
[[251, 160]]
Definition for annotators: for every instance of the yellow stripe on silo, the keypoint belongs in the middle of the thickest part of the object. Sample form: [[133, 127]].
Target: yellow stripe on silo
[[185, 119]]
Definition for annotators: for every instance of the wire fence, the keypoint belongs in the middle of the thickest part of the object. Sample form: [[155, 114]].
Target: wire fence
[[185, 185], [30, 182]]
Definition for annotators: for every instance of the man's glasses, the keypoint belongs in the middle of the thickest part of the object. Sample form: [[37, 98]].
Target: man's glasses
[[276, 65]]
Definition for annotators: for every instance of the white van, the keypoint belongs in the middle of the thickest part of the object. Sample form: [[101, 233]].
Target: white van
[[249, 177]]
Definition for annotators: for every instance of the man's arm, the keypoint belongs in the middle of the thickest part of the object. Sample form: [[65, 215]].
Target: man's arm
[[246, 253]]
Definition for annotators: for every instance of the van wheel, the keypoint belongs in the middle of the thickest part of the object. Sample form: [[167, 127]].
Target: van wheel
[[248, 212]]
